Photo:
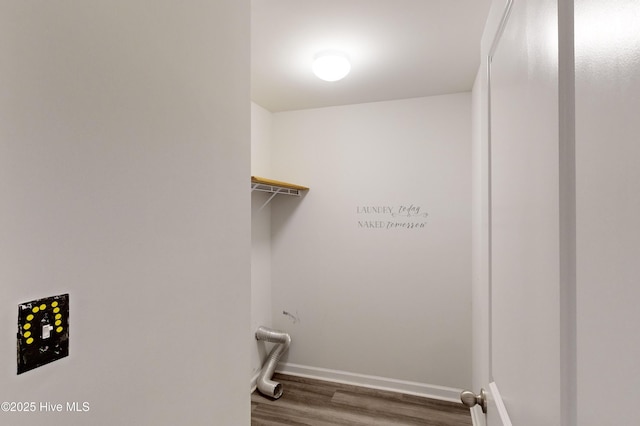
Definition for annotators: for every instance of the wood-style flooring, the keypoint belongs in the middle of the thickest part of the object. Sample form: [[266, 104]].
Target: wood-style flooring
[[320, 403]]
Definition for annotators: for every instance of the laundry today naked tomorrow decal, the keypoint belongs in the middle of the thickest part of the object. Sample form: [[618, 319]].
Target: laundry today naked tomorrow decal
[[391, 217]]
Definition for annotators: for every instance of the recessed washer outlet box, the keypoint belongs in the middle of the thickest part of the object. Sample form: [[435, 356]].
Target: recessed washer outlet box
[[43, 331]]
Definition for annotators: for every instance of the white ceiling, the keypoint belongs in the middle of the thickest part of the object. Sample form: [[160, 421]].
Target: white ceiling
[[398, 49]]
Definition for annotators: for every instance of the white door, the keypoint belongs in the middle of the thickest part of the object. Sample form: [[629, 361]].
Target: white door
[[526, 238], [557, 240]]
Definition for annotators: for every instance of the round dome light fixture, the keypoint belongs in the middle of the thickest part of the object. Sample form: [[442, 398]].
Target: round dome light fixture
[[331, 65]]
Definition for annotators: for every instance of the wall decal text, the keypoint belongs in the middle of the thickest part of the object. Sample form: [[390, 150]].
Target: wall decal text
[[404, 216]]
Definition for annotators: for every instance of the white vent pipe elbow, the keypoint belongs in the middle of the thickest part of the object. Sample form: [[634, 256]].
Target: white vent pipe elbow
[[266, 386]]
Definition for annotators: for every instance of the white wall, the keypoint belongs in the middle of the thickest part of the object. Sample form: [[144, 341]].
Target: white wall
[[124, 159], [260, 235], [261, 129], [608, 201], [393, 303]]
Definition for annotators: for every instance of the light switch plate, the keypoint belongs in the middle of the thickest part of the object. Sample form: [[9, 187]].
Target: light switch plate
[[43, 331]]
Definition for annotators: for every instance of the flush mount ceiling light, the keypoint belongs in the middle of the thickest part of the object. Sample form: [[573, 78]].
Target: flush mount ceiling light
[[331, 65]]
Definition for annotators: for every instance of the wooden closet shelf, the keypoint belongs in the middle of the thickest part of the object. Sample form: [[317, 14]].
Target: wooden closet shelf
[[275, 187], [255, 180]]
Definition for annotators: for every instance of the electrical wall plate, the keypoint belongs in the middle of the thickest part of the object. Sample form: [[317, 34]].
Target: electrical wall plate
[[43, 331]]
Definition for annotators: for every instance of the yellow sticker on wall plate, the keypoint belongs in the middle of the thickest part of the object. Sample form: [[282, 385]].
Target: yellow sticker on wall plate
[[43, 332]]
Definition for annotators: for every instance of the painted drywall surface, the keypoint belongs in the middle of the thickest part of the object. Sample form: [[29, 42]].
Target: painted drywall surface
[[361, 294], [607, 47], [260, 234], [261, 129], [123, 179]]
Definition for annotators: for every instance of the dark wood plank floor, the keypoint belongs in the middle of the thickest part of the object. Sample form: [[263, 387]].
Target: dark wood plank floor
[[319, 403]]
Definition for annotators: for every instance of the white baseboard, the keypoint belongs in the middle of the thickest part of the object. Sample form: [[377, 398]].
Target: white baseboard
[[374, 382]]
